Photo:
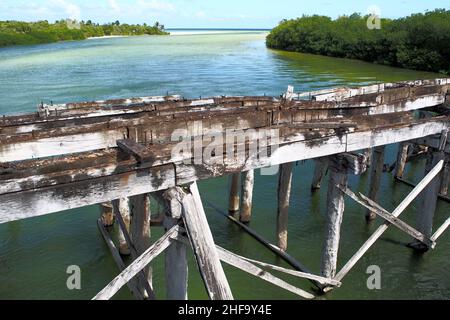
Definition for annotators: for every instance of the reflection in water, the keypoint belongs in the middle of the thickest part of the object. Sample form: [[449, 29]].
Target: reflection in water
[[35, 253]]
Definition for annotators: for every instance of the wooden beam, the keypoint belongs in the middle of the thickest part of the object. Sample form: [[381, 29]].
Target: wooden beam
[[132, 284], [375, 178], [248, 180], [396, 213], [402, 157], [284, 194], [234, 193], [250, 268], [141, 280], [386, 215], [320, 171], [121, 209], [140, 230], [176, 264], [203, 246], [440, 231], [137, 265], [137, 150]]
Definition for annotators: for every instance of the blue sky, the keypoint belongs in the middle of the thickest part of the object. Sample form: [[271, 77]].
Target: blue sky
[[204, 13]]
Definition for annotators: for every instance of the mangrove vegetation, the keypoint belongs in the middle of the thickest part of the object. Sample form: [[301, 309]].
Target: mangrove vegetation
[[26, 33], [420, 41]]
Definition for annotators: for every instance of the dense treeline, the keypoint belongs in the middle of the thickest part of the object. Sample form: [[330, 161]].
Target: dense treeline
[[21, 33], [420, 41]]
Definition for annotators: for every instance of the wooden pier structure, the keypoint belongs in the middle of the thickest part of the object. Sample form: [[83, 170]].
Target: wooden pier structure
[[122, 154]]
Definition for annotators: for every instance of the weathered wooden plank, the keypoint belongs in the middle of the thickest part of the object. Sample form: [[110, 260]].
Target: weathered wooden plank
[[374, 237], [137, 150], [375, 178], [132, 285], [176, 264], [137, 265], [440, 230], [376, 209], [284, 194], [250, 268], [248, 180], [203, 246]]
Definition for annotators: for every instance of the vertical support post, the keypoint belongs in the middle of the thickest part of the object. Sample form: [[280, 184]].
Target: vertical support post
[[443, 190], [402, 157], [176, 265], [106, 214], [248, 180], [284, 193], [320, 171], [140, 229], [335, 213], [234, 193], [375, 178], [124, 211], [429, 196], [203, 245], [368, 154]]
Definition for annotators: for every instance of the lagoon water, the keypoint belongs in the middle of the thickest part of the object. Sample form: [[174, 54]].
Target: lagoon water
[[35, 253]]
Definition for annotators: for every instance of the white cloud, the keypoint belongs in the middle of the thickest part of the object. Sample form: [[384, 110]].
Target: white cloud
[[71, 10], [114, 5], [155, 5]]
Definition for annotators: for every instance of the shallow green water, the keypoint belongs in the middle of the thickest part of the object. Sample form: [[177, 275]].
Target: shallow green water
[[35, 253]]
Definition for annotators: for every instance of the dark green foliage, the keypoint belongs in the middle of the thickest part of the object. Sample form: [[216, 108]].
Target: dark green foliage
[[420, 41], [24, 33]]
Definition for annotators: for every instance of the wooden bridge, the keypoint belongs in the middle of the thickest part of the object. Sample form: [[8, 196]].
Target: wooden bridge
[[117, 152]]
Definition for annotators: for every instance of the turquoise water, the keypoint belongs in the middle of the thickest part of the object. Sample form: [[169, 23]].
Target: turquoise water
[[35, 253]]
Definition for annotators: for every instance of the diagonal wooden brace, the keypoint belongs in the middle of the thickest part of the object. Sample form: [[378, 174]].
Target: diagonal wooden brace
[[386, 215]]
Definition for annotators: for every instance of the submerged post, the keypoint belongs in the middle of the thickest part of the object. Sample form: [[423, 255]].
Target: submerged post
[[443, 190], [176, 266], [284, 192], [234, 193], [248, 180], [106, 214], [140, 230], [375, 178], [320, 171], [340, 166], [402, 157], [429, 196], [124, 211]]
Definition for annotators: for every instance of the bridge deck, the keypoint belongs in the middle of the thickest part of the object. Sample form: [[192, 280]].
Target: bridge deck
[[66, 156]]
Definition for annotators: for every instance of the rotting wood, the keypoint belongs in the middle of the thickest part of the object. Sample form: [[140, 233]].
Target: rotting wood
[[320, 170], [140, 230], [248, 180], [402, 157], [203, 246], [386, 215], [106, 214], [176, 265], [284, 194], [234, 193], [252, 269], [137, 265], [141, 279], [132, 284], [396, 213], [375, 178]]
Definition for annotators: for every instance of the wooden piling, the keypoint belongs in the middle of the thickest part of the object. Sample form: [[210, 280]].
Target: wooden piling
[[203, 246], [368, 153], [402, 157], [428, 201], [123, 206], [248, 180], [443, 190], [106, 214], [284, 193], [176, 266], [234, 193], [140, 229], [335, 213], [375, 178], [320, 171]]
